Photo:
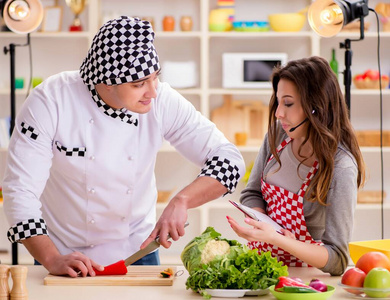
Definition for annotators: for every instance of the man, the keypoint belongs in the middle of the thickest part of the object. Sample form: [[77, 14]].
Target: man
[[79, 187]]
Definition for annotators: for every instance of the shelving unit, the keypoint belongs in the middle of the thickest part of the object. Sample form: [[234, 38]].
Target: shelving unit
[[53, 53]]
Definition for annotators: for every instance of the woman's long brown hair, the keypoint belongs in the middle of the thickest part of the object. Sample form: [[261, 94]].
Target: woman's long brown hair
[[329, 125]]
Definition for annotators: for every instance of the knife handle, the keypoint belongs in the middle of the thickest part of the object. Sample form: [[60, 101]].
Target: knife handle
[[169, 236]]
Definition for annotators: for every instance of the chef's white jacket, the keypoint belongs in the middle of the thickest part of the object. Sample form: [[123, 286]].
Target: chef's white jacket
[[89, 177]]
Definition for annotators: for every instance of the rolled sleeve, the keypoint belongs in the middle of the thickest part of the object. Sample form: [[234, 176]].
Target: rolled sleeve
[[26, 229], [223, 171]]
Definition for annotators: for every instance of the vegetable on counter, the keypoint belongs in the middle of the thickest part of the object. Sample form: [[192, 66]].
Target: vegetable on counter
[[217, 263], [297, 289], [289, 285], [318, 285], [167, 273]]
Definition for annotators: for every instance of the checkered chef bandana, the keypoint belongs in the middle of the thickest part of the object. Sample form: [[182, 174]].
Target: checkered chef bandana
[[122, 51]]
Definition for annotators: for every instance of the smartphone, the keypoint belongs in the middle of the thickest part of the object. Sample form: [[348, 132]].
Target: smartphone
[[256, 215], [246, 212]]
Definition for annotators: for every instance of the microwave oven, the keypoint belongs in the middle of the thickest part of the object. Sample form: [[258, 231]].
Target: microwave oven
[[250, 70]]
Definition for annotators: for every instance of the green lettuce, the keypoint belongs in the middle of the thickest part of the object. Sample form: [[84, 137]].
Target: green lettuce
[[239, 268]]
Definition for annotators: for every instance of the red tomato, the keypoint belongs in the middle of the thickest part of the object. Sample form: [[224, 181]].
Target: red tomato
[[354, 277], [372, 260]]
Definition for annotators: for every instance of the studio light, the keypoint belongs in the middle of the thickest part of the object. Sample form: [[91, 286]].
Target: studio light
[[19, 10], [328, 17], [23, 17]]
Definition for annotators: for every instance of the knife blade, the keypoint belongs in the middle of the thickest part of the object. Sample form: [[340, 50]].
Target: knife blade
[[143, 252]]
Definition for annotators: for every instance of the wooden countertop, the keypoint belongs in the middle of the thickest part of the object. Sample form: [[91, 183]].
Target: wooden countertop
[[38, 291]]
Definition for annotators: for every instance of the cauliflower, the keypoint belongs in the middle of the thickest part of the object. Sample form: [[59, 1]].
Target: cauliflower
[[207, 248], [212, 249]]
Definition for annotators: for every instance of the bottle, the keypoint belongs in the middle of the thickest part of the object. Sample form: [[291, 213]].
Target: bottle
[[334, 64]]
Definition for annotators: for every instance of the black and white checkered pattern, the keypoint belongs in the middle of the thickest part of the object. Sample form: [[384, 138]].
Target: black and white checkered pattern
[[29, 131], [26, 229], [223, 171], [121, 114], [79, 151], [122, 51]]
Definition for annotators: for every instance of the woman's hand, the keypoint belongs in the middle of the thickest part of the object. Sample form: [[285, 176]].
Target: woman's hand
[[260, 231], [288, 234]]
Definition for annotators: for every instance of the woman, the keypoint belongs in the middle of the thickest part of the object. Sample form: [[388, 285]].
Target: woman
[[308, 171]]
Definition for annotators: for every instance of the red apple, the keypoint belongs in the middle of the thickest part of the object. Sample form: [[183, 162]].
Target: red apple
[[354, 277], [359, 77], [371, 74]]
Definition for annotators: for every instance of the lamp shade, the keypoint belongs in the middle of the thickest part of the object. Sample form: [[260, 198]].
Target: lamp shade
[[22, 18], [327, 17]]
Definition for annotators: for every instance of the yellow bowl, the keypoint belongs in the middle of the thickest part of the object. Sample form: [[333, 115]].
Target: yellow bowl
[[287, 22], [357, 249]]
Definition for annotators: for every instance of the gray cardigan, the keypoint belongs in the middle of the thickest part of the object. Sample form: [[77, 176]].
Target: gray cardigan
[[333, 223]]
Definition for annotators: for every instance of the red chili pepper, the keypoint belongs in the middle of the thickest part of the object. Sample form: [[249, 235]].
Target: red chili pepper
[[118, 268], [287, 281]]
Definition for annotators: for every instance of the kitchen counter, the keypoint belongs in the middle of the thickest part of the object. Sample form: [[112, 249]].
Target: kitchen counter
[[38, 291]]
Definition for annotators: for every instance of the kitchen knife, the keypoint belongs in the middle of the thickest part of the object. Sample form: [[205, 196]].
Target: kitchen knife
[[149, 248]]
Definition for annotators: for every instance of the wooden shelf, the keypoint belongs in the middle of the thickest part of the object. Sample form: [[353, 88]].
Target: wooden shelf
[[261, 34]]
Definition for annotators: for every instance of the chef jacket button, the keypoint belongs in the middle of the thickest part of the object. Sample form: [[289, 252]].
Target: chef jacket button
[[91, 121], [92, 191], [131, 157], [92, 157], [92, 246], [92, 221], [123, 219], [129, 191]]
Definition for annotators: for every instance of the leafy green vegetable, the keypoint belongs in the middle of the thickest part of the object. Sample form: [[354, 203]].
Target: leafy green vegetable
[[238, 268], [208, 246]]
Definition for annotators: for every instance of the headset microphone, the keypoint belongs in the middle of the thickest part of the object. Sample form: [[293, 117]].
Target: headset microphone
[[305, 120], [292, 129]]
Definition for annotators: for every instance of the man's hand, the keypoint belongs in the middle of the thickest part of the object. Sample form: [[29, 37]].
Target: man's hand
[[43, 250], [171, 222], [74, 264], [202, 190]]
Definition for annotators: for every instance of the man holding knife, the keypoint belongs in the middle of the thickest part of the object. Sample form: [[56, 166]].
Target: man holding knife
[[79, 189]]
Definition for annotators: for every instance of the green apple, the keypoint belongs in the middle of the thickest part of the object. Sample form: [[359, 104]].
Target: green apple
[[377, 278]]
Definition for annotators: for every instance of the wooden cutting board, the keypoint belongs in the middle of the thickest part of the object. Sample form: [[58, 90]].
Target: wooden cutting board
[[136, 275], [235, 116]]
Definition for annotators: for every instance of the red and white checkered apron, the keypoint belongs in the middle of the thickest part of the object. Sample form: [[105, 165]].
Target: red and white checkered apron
[[286, 208]]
